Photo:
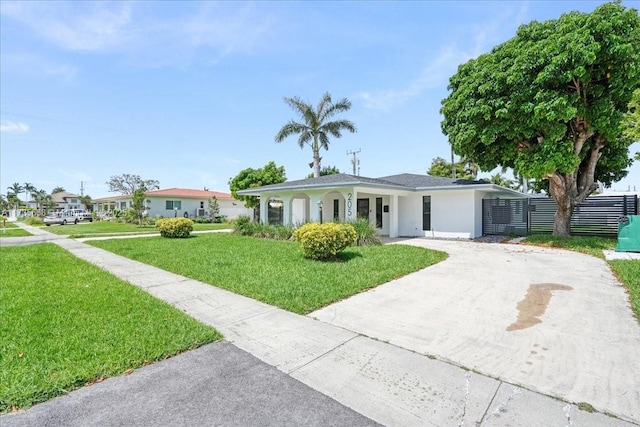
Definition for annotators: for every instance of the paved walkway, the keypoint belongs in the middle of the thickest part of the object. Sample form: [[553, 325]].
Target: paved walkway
[[384, 381]]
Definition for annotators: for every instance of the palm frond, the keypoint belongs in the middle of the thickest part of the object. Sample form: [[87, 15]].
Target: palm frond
[[291, 128]]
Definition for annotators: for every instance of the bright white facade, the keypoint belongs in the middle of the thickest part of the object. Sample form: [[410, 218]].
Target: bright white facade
[[399, 205]]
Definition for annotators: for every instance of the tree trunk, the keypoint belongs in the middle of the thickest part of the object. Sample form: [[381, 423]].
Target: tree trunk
[[562, 221], [316, 163]]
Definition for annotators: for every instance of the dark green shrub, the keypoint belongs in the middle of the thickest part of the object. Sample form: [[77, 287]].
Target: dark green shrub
[[324, 241], [175, 227], [367, 233], [244, 226]]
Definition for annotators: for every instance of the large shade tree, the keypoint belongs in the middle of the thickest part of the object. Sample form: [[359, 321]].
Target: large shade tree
[[631, 120], [549, 103], [315, 126], [129, 183]]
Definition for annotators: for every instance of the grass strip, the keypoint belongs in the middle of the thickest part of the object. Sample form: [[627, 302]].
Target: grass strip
[[628, 272], [275, 272], [96, 228], [65, 323], [11, 230]]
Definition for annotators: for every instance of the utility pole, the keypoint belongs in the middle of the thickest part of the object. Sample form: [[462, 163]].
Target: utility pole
[[355, 161], [81, 188]]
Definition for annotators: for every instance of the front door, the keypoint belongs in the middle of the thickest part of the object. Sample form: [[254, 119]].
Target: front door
[[379, 212]]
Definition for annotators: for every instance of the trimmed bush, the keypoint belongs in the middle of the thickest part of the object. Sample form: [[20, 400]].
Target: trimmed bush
[[324, 241], [175, 227]]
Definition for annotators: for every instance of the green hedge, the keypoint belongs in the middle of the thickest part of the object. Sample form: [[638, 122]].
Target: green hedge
[[323, 241], [175, 227]]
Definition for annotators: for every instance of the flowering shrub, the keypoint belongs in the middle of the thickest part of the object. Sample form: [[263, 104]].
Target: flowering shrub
[[323, 241], [174, 227]]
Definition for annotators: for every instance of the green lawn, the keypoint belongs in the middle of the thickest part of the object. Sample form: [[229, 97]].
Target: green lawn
[[12, 230], [95, 228], [627, 271], [275, 272], [65, 323]]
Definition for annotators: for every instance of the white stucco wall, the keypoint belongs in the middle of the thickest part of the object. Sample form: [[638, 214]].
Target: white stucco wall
[[229, 208], [454, 214]]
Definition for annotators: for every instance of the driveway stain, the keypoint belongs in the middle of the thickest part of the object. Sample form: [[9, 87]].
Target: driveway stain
[[534, 304]]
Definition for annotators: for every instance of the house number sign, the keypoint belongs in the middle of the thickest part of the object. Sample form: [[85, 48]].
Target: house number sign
[[349, 204]]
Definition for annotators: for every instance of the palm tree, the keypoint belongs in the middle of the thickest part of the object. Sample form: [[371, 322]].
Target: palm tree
[[12, 194], [57, 190], [40, 197], [314, 130], [29, 190]]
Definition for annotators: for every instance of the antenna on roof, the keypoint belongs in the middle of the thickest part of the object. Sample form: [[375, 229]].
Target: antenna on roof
[[355, 161]]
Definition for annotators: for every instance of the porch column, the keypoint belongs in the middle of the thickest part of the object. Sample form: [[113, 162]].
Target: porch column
[[286, 210], [393, 215], [264, 209], [314, 209]]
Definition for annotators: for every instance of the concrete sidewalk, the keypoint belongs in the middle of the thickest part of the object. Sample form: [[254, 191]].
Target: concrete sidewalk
[[386, 383]]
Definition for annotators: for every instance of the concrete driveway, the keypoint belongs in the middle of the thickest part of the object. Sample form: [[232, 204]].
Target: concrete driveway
[[552, 321]]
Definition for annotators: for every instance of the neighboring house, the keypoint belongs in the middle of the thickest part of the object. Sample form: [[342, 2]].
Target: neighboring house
[[399, 205], [65, 200], [177, 202]]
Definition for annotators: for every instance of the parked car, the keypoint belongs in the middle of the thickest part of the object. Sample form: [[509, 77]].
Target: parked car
[[62, 218], [83, 215]]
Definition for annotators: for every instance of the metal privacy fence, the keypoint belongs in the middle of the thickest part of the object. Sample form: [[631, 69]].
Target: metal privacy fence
[[596, 216]]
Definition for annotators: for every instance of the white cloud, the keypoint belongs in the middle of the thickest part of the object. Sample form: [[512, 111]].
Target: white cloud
[[13, 127], [28, 64], [142, 33], [446, 61], [433, 75], [72, 26]]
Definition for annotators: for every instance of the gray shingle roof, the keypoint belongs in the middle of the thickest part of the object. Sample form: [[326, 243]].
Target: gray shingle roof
[[415, 181], [405, 181]]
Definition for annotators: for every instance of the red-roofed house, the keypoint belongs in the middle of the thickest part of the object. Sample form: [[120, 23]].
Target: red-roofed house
[[170, 202]]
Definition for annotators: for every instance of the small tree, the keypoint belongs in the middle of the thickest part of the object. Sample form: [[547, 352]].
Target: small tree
[[252, 178], [86, 201], [214, 208], [138, 203]]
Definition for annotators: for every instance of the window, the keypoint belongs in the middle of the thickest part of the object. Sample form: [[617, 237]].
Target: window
[[426, 213], [379, 212], [336, 208], [173, 204], [123, 205]]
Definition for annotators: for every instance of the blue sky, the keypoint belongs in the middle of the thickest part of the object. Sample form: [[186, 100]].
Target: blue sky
[[190, 93]]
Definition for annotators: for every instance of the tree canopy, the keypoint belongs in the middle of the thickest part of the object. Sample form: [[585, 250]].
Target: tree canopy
[[326, 170], [252, 178], [315, 128], [549, 103], [441, 167], [128, 184]]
